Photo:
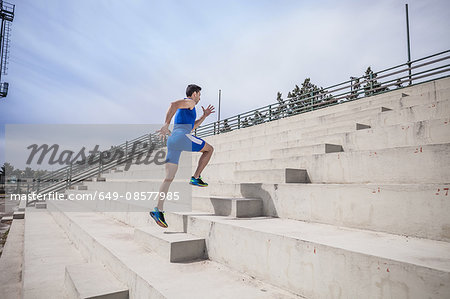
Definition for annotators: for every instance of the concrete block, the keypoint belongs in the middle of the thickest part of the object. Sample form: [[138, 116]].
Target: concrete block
[[93, 281], [226, 206], [41, 205], [19, 215], [306, 150], [82, 187], [362, 126], [100, 179], [174, 246], [284, 175], [7, 218], [22, 205]]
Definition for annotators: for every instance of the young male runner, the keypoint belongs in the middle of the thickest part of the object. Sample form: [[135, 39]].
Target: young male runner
[[182, 140]]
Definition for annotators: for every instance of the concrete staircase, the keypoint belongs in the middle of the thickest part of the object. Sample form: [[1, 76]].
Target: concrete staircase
[[350, 201]]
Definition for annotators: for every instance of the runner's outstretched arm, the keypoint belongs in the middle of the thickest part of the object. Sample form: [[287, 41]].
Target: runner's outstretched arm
[[206, 113]]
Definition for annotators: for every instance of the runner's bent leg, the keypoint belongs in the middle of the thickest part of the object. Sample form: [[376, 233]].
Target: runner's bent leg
[[207, 152]]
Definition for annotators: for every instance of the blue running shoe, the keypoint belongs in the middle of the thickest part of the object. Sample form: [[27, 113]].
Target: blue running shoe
[[198, 182], [158, 216]]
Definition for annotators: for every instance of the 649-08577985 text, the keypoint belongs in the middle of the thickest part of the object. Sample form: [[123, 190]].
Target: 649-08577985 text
[[99, 195]]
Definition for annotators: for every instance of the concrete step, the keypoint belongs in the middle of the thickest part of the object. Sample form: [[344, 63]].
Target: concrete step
[[265, 144], [93, 281], [439, 110], [18, 215], [6, 218], [228, 206], [11, 261], [308, 258], [306, 125], [225, 206], [135, 185], [146, 174], [423, 164], [47, 251], [355, 126], [373, 117], [402, 209], [146, 274], [174, 246], [22, 205], [325, 121], [40, 205], [315, 149], [275, 175], [397, 99], [407, 134]]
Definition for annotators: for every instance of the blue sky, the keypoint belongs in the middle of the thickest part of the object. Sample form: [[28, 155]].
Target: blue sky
[[123, 62]]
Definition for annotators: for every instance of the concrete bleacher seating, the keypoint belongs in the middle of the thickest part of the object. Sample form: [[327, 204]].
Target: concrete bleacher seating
[[312, 205]]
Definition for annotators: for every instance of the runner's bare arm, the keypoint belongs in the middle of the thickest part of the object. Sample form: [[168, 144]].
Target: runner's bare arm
[[206, 113], [198, 122], [174, 106]]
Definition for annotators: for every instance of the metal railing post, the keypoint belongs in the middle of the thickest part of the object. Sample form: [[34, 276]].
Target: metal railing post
[[70, 174], [100, 164], [371, 84], [67, 178]]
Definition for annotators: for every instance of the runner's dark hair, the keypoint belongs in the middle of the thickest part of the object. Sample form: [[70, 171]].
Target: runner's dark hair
[[191, 88]]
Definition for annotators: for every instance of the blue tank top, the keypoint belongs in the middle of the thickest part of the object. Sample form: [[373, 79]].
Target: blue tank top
[[185, 119]]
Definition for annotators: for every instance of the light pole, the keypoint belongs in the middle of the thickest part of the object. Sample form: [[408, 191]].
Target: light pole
[[409, 45], [218, 115]]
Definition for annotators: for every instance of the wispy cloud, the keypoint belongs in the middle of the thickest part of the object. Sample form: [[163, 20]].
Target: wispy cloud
[[123, 62]]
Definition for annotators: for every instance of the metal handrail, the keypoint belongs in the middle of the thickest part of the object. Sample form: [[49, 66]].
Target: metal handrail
[[74, 173], [350, 90], [353, 89]]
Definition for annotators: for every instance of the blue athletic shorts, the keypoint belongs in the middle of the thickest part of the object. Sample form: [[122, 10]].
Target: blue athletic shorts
[[180, 141]]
